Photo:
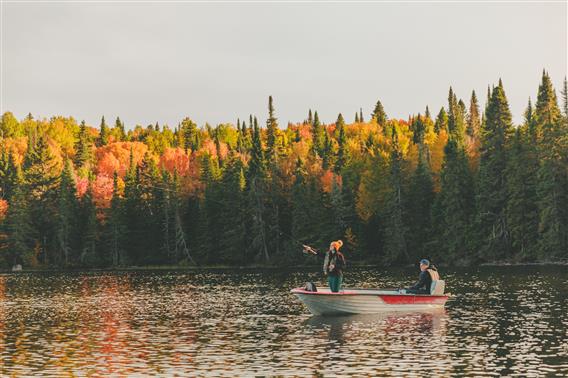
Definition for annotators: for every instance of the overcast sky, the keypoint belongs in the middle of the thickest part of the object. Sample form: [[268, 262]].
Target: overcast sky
[[148, 62]]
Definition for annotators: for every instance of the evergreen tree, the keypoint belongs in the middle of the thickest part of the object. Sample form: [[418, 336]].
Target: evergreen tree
[[522, 211], [361, 119], [190, 134], [89, 256], [341, 141], [552, 132], [103, 134], [121, 132], [317, 135], [492, 191], [272, 129], [18, 227], [441, 121], [454, 207], [396, 245], [379, 114], [8, 174], [456, 118], [67, 215], [310, 117], [420, 200], [83, 148], [473, 119], [356, 117], [116, 227]]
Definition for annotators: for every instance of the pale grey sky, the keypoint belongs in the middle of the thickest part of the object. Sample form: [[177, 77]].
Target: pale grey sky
[[148, 62]]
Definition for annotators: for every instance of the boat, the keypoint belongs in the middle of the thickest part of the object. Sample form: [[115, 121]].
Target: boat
[[367, 301]]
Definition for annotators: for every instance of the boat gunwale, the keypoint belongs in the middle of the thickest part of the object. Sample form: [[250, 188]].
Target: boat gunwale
[[376, 293]]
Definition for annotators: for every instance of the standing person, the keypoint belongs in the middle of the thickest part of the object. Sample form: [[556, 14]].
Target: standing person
[[333, 264], [428, 273]]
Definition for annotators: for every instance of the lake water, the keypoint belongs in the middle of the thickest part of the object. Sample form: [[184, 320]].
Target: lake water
[[501, 321]]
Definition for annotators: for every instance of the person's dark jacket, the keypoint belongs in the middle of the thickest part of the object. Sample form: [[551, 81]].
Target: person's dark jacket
[[423, 285], [333, 257]]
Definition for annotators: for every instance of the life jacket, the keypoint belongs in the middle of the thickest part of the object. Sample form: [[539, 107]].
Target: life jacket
[[434, 274]]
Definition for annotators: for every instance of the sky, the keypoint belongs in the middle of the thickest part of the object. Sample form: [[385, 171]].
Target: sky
[[151, 62]]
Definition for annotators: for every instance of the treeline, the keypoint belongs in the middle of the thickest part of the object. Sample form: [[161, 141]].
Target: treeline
[[461, 187]]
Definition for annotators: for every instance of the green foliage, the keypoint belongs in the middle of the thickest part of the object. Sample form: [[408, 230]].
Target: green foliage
[[240, 195], [379, 114], [454, 208], [492, 178]]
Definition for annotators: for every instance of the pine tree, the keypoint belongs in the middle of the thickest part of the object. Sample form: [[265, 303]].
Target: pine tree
[[103, 134], [379, 114], [18, 226], [361, 119], [116, 227], [341, 141], [419, 207], [547, 112], [456, 118], [121, 132], [190, 135], [492, 191], [441, 121], [454, 207], [356, 117], [272, 129], [8, 174], [317, 135], [310, 117], [472, 137], [256, 196], [396, 232], [83, 148], [67, 211], [552, 132], [89, 256], [522, 211], [565, 98]]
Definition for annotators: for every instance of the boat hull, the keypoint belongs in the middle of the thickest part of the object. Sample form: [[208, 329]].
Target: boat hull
[[364, 301]]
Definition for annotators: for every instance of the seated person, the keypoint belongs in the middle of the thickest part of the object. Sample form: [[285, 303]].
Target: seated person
[[427, 273]]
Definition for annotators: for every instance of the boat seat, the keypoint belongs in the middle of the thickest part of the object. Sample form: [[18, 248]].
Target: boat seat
[[438, 287]]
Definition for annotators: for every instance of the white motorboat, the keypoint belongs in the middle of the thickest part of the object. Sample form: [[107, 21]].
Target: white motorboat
[[367, 301]]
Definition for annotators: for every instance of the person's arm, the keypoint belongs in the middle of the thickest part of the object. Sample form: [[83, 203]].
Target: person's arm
[[421, 281]]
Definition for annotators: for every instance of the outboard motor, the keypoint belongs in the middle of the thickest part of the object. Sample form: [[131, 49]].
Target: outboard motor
[[310, 286]]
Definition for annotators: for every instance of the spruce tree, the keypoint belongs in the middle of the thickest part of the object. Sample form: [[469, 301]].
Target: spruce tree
[[272, 129], [89, 234], [441, 121], [115, 227], [67, 233], [121, 132], [341, 142], [419, 207], [83, 148], [361, 119], [396, 233], [18, 226], [317, 135], [379, 114], [454, 207], [552, 194], [522, 211], [103, 134], [492, 184]]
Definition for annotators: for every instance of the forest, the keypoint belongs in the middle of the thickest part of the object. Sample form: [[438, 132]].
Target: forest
[[461, 186]]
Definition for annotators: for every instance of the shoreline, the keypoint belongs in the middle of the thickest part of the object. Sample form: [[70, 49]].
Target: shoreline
[[194, 268]]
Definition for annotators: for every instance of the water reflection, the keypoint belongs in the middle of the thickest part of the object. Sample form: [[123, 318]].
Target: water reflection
[[236, 324]]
